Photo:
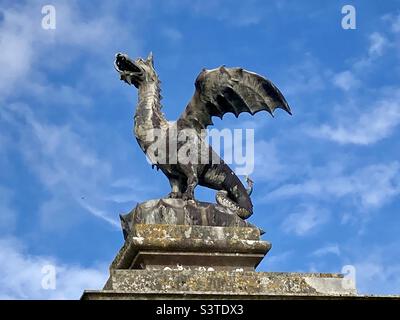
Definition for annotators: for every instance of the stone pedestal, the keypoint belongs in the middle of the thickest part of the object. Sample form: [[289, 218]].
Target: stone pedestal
[[182, 247], [161, 261]]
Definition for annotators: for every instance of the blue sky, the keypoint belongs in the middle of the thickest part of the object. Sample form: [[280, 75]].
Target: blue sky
[[327, 179]]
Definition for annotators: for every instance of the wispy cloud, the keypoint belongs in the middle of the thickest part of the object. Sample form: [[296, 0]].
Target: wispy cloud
[[276, 262], [28, 51], [372, 125], [328, 249], [267, 163], [376, 114], [396, 24], [240, 15], [21, 275], [99, 213], [377, 272], [172, 34], [306, 220], [345, 80], [394, 21], [64, 163], [304, 77], [371, 187], [378, 44], [59, 155]]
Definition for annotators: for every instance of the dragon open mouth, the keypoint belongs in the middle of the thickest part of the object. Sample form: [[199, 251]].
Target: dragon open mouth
[[123, 63], [128, 70]]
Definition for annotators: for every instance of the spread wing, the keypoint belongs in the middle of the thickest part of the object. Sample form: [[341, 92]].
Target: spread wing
[[234, 90]]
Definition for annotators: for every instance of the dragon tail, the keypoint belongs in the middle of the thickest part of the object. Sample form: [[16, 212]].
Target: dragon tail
[[233, 194]]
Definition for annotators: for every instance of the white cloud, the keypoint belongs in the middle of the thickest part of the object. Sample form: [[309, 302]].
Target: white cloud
[[21, 275], [377, 44], [60, 96], [99, 213], [241, 14], [345, 80], [377, 184], [394, 20], [70, 170], [376, 123], [377, 117], [396, 24], [16, 48], [372, 261], [63, 160], [304, 75], [172, 34], [64, 163], [329, 249], [27, 50], [92, 34], [305, 221], [377, 268], [276, 262], [266, 163], [370, 187]]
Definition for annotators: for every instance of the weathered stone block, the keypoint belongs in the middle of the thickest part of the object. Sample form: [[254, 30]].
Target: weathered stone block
[[161, 261], [201, 284], [157, 246]]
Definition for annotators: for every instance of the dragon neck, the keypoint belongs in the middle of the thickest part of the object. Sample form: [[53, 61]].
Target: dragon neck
[[148, 115]]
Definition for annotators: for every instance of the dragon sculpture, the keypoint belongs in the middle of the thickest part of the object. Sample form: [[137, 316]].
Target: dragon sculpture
[[218, 91]]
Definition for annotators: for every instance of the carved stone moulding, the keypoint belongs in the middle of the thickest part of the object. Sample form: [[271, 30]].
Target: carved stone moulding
[[185, 247]]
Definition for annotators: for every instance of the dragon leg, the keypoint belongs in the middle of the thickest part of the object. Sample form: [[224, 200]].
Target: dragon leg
[[176, 188], [192, 181]]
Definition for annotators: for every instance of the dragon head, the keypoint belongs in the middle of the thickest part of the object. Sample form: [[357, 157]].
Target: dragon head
[[136, 71]]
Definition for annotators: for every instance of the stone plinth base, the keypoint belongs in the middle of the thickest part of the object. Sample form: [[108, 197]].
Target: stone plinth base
[[195, 284], [179, 247], [161, 261]]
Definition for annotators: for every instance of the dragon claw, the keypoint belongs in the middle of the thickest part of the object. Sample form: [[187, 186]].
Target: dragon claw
[[187, 196], [174, 195]]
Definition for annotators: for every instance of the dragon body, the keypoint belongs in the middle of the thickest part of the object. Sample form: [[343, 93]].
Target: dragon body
[[218, 92]]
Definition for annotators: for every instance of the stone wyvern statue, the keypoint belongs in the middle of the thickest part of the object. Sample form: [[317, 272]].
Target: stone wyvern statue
[[218, 91]]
